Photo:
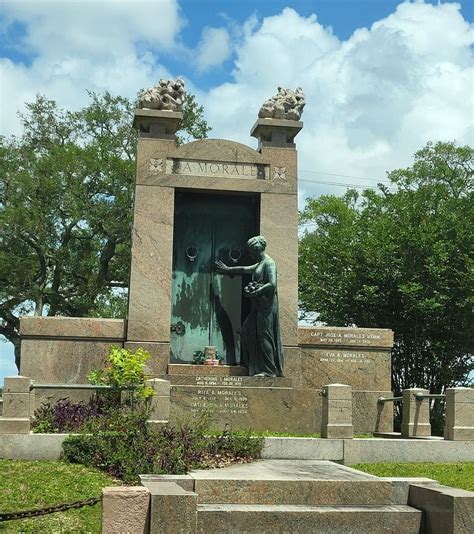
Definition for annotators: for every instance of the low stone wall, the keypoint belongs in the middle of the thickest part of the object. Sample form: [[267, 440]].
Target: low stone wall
[[63, 350], [358, 450], [347, 451], [259, 406]]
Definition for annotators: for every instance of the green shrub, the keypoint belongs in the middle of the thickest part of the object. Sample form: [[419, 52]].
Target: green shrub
[[128, 448], [124, 369]]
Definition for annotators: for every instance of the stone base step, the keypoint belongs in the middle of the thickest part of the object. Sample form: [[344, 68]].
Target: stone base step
[[305, 492], [206, 370], [245, 518], [305, 482]]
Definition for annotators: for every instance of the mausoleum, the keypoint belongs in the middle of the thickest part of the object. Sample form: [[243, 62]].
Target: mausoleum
[[195, 205]]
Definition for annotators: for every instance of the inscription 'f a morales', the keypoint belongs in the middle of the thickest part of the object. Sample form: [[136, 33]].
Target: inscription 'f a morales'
[[216, 168]]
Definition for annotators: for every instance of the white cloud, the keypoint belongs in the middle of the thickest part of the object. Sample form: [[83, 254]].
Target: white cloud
[[372, 100], [213, 49], [84, 45]]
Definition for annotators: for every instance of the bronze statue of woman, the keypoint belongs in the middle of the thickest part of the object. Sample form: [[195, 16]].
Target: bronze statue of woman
[[261, 350]]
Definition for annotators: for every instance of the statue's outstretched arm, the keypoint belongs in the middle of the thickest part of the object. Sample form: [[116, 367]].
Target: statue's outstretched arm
[[221, 267]]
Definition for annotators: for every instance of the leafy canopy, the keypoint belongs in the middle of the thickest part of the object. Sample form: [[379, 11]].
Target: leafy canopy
[[400, 260], [65, 208]]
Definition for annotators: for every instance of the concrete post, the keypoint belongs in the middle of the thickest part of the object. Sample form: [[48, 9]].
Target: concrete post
[[337, 412], [18, 405], [416, 414], [126, 509], [459, 414], [160, 402]]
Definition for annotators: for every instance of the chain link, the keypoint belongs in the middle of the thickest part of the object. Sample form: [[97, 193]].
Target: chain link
[[10, 516]]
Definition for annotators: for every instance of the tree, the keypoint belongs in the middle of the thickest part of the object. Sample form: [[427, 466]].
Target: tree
[[65, 209], [401, 260]]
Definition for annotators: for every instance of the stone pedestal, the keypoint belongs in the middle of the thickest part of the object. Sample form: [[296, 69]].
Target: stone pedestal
[[336, 419], [459, 414], [416, 414], [18, 405], [160, 402], [126, 509], [173, 509], [276, 132], [157, 124]]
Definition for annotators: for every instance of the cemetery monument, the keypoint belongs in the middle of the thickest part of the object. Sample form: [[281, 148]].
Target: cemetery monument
[[215, 268]]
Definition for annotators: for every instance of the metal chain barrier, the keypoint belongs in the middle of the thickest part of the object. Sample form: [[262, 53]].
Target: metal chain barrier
[[11, 516]]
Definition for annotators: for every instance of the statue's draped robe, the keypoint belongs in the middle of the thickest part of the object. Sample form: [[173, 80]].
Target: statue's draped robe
[[261, 343]]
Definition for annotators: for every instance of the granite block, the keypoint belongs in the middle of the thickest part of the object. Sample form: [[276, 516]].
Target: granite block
[[337, 431], [16, 384], [302, 492], [279, 224], [275, 409], [17, 405], [157, 365], [447, 510], [303, 449], [149, 309], [359, 367], [416, 414], [338, 392], [14, 425], [125, 509], [370, 416], [332, 336], [292, 366], [459, 414], [62, 361], [159, 408], [28, 446], [184, 481], [159, 386], [237, 518], [407, 450], [201, 370], [173, 509], [72, 327]]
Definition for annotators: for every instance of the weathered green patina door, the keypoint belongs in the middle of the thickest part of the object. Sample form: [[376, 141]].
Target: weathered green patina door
[[207, 307]]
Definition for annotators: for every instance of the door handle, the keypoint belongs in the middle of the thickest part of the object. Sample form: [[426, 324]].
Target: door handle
[[191, 253], [178, 328]]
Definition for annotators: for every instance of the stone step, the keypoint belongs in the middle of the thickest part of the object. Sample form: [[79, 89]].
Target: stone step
[[245, 518], [206, 370], [304, 492], [300, 482]]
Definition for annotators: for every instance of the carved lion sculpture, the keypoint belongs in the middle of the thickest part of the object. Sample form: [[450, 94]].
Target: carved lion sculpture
[[168, 95], [286, 104]]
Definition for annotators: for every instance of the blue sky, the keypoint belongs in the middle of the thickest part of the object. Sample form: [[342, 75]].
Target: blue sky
[[381, 77]]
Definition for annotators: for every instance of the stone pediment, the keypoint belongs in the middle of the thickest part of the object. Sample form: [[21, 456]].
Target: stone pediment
[[221, 149]]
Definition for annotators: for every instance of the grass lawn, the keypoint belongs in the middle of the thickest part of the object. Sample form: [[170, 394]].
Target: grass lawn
[[459, 475], [25, 485]]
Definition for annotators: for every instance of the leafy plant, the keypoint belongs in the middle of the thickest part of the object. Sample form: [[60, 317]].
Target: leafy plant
[[198, 357], [66, 416], [129, 448], [124, 369]]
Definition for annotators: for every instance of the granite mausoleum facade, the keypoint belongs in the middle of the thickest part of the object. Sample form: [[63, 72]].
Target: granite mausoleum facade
[[194, 204]]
